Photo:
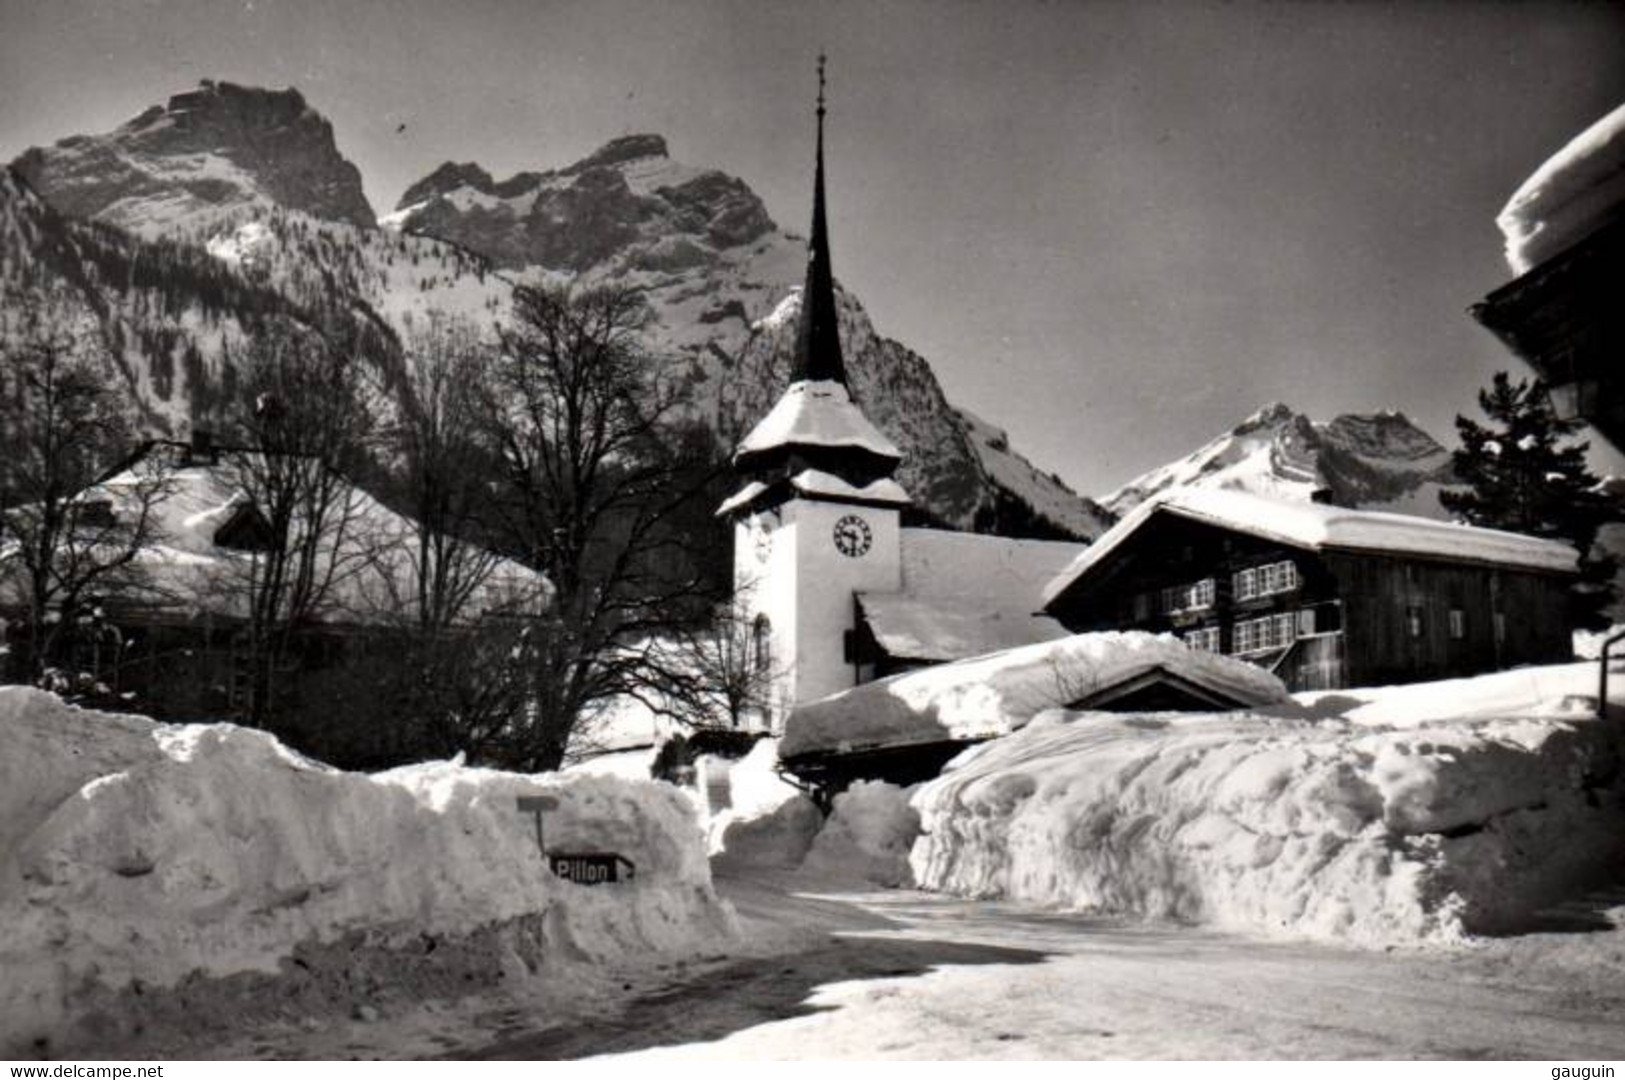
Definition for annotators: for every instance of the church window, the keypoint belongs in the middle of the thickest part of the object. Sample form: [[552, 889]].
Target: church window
[[761, 634]]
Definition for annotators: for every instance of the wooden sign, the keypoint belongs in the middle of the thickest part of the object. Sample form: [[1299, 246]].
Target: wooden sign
[[592, 868], [583, 868]]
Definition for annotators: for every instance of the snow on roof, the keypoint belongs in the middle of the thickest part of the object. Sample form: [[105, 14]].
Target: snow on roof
[[187, 569], [994, 695], [819, 482], [743, 497], [910, 627], [966, 595], [817, 413], [997, 570], [1571, 195], [1316, 526]]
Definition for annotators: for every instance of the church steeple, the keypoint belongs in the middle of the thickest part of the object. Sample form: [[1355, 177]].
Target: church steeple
[[818, 338], [816, 443]]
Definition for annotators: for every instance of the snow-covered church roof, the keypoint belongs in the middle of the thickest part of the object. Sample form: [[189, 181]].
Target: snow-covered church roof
[[1575, 192], [1315, 527], [966, 595]]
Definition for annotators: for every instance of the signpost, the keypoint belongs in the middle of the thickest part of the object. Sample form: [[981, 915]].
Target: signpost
[[583, 868], [536, 805]]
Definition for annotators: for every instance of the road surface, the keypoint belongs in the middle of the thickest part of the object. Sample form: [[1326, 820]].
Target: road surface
[[907, 975]]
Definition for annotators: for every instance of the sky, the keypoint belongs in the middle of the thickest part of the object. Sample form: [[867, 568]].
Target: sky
[[1115, 229]]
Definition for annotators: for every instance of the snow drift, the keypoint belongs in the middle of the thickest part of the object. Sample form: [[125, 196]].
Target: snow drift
[[1324, 829], [867, 837], [135, 856], [769, 823]]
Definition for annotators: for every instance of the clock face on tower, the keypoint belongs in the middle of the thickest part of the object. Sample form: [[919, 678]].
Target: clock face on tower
[[852, 536]]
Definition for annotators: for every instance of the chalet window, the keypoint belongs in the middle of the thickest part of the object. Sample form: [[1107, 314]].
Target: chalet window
[[1205, 639], [1458, 624], [1142, 607], [1192, 597], [1500, 628], [1306, 622], [1278, 577], [1266, 634], [1413, 621]]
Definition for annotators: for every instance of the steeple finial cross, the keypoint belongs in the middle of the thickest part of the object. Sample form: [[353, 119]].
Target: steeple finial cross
[[820, 86]]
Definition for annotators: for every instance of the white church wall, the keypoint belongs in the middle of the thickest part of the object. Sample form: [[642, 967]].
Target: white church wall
[[787, 566]]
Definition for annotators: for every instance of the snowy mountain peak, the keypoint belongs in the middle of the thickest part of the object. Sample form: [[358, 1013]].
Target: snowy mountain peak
[[627, 201], [1375, 460], [218, 147]]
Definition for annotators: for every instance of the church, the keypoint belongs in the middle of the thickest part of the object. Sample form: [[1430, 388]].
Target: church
[[837, 591]]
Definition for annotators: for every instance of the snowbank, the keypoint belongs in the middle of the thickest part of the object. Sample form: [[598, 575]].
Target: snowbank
[[769, 823], [1324, 829], [867, 837], [1553, 691], [996, 694], [135, 856]]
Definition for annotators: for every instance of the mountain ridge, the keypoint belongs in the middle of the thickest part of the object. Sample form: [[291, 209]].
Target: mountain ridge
[[1380, 461]]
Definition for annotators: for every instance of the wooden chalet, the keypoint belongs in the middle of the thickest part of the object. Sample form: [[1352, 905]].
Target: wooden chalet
[[173, 635], [1565, 238], [1322, 596]]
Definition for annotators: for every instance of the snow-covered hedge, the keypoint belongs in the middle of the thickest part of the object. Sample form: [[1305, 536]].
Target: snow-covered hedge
[[136, 855], [1328, 829]]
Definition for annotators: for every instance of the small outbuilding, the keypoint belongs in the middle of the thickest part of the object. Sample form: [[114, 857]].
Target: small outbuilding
[[1322, 596], [905, 728]]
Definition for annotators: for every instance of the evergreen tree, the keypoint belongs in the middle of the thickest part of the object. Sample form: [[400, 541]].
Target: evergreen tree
[[1526, 474]]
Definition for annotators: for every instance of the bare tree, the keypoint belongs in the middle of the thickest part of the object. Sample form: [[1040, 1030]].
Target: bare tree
[[64, 542], [718, 675], [434, 439], [301, 432], [593, 473]]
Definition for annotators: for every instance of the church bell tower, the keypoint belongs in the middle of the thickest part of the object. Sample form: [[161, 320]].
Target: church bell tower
[[817, 518]]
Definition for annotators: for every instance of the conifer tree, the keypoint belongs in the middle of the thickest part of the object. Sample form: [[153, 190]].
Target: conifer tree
[[1525, 473]]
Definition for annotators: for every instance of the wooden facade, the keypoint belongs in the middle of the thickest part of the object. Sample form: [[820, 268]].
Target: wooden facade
[[1322, 619]]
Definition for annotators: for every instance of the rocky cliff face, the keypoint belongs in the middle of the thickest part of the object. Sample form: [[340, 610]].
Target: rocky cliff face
[[219, 147], [724, 282], [254, 179], [1378, 461]]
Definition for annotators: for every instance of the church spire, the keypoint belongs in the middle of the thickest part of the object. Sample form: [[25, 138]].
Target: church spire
[[818, 338]]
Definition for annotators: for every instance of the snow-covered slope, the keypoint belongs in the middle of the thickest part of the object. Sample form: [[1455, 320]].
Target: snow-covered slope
[[1021, 488], [724, 282], [1377, 461]]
